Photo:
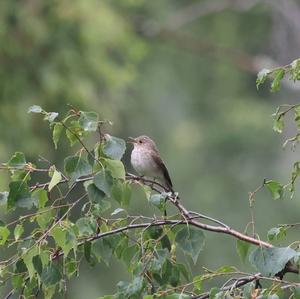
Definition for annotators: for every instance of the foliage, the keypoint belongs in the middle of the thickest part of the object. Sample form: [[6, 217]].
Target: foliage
[[50, 240]]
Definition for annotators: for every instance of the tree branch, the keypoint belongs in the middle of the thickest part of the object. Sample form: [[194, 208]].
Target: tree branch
[[238, 283]]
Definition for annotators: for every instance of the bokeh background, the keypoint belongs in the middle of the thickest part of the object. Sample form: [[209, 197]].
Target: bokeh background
[[182, 72]]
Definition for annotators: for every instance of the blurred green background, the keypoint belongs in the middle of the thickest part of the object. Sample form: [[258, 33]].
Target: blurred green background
[[182, 72]]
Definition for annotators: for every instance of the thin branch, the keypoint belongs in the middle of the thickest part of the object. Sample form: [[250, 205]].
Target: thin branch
[[209, 218], [80, 141], [189, 217], [9, 294], [174, 199], [238, 282], [251, 205]]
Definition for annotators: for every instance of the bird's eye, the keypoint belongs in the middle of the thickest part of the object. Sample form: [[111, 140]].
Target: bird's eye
[[140, 141]]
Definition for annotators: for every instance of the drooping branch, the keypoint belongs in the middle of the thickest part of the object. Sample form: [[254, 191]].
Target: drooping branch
[[187, 217], [238, 283], [241, 281], [186, 214]]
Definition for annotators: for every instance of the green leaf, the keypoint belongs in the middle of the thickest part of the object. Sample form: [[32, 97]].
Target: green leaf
[[275, 188], [20, 175], [86, 226], [37, 264], [17, 281], [100, 208], [103, 181], [56, 178], [19, 195], [76, 167], [87, 246], [121, 192], [102, 250], [4, 233], [278, 76], [276, 233], [197, 282], [159, 201], [296, 292], [116, 168], [49, 291], [88, 121], [261, 77], [50, 275], [213, 293], [146, 190], [170, 274], [165, 242], [95, 195], [297, 115], [160, 256], [39, 197], [35, 109], [18, 160], [153, 232], [191, 241], [44, 217], [114, 147], [73, 132], [242, 248], [129, 253], [20, 266], [132, 290], [18, 231], [30, 286], [184, 271], [122, 245], [57, 130], [27, 258], [270, 261], [71, 268], [278, 124], [64, 238]]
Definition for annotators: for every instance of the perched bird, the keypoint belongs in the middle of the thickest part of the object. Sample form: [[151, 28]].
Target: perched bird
[[146, 161]]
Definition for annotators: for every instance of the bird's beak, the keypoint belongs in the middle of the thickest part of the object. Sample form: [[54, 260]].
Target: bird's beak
[[131, 140]]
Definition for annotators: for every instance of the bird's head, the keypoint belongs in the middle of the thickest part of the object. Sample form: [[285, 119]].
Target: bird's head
[[142, 142]]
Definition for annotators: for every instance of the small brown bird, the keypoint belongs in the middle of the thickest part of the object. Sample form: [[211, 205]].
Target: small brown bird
[[146, 161]]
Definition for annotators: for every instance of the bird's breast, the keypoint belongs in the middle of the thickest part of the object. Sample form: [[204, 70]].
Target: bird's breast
[[143, 163]]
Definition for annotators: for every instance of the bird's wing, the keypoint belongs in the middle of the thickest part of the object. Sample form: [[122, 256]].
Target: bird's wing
[[162, 166]]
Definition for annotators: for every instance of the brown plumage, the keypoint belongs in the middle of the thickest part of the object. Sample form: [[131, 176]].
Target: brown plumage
[[146, 160]]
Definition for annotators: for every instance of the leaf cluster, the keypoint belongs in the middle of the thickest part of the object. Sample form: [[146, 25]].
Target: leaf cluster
[[80, 214]]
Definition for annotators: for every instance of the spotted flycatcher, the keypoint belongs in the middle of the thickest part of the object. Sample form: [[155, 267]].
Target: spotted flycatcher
[[146, 161]]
